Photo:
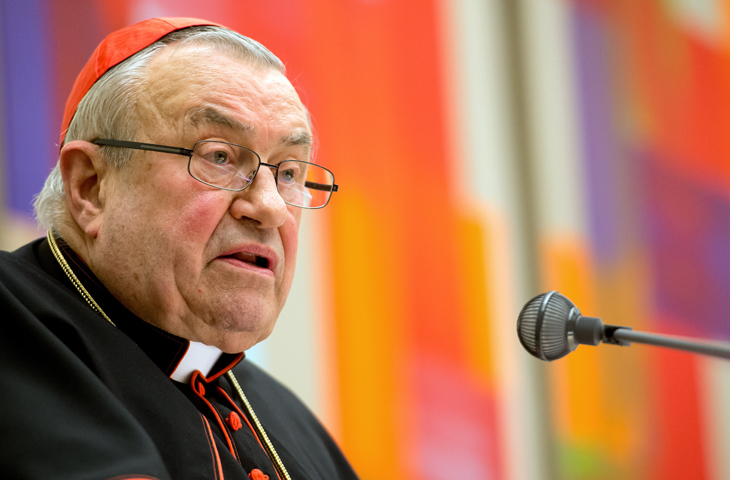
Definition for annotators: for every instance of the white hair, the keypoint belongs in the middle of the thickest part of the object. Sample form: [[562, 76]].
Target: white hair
[[108, 108]]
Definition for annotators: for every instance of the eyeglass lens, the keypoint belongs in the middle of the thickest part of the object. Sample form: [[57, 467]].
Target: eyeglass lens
[[233, 167]]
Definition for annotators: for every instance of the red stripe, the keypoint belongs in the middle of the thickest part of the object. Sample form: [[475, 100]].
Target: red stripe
[[133, 477], [217, 467]]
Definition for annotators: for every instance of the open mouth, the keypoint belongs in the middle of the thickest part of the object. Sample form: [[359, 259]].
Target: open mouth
[[250, 258]]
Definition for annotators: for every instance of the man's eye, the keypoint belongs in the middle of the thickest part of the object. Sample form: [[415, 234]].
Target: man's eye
[[220, 158], [288, 176]]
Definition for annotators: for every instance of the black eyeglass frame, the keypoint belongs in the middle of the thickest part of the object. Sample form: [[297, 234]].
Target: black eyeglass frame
[[151, 147]]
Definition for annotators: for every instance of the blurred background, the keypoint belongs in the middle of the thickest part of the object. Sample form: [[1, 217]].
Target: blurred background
[[487, 151]]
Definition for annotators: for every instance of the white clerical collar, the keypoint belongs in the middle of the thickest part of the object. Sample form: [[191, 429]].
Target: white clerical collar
[[198, 357]]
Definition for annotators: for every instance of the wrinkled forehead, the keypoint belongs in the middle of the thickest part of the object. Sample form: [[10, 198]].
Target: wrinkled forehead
[[208, 116], [197, 85]]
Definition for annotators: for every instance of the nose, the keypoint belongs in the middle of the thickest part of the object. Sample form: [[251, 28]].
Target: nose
[[261, 201]]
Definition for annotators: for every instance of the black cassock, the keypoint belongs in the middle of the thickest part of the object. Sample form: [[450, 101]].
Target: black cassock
[[83, 399]]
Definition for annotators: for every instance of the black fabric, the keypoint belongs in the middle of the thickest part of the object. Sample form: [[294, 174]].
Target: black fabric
[[83, 399]]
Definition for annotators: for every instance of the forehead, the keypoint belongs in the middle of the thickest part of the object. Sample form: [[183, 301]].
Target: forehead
[[196, 87]]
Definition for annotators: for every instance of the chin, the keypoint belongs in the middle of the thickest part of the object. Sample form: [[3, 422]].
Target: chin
[[235, 342], [238, 333]]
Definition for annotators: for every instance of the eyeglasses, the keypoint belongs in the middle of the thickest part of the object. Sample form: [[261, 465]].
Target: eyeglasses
[[232, 167]]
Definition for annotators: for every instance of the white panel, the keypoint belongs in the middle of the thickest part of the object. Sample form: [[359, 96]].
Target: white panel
[[555, 140], [479, 100]]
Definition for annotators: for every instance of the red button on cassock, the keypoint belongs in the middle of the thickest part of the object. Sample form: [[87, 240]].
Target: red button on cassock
[[234, 421], [257, 474]]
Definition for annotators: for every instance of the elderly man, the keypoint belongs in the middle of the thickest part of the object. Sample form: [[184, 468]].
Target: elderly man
[[172, 218]]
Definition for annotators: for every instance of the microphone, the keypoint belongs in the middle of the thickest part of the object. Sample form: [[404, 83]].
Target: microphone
[[550, 326]]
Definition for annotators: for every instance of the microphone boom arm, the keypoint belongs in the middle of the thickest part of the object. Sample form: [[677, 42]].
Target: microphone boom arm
[[624, 336]]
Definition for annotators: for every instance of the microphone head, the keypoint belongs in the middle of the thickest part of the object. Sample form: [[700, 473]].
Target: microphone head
[[545, 326]]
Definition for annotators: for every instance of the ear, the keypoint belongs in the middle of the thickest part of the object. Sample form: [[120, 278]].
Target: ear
[[83, 171]]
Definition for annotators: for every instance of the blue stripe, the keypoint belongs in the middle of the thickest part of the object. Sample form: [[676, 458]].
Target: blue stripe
[[30, 143]]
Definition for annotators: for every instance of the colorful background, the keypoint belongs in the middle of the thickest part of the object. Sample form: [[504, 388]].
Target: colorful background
[[487, 150]]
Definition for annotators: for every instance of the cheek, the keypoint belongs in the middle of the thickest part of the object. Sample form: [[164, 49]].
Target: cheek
[[199, 217]]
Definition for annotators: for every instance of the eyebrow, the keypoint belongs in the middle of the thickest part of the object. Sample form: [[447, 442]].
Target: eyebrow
[[297, 138], [211, 116]]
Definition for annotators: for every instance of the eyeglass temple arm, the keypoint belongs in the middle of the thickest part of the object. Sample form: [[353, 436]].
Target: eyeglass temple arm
[[144, 146], [321, 186]]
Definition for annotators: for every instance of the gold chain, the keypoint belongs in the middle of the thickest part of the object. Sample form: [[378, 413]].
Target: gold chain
[[259, 428], [72, 276]]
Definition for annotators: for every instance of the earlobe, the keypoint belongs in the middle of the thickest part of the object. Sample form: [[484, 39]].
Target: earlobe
[[83, 171]]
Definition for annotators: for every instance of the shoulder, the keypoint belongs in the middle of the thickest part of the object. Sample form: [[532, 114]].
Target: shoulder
[[29, 291], [21, 272], [21, 261]]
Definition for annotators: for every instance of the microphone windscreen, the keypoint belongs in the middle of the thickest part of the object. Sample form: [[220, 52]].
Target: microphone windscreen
[[544, 323]]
